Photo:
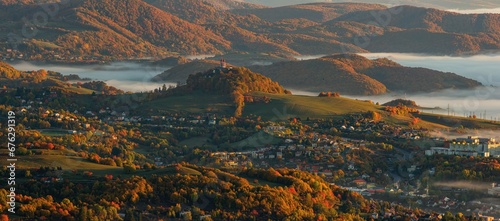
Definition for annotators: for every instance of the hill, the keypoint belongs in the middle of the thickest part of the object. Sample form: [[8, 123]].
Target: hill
[[91, 30], [231, 4], [445, 4], [251, 194], [9, 72], [322, 75], [354, 74], [403, 102], [317, 12], [180, 73], [234, 83], [425, 30], [344, 73], [181, 70], [237, 29], [122, 29]]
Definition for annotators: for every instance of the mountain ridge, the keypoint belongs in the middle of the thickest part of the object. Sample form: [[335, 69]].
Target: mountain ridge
[[130, 29], [345, 73]]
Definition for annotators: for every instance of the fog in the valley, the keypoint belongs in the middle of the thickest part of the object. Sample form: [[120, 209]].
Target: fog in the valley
[[464, 185], [200, 57], [483, 68], [483, 102], [450, 135], [127, 76], [477, 11]]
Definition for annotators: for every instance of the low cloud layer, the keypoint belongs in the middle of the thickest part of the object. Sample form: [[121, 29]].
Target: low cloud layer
[[483, 68], [464, 185], [127, 76], [476, 11]]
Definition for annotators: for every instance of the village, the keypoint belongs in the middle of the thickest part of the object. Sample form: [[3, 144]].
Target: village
[[341, 158]]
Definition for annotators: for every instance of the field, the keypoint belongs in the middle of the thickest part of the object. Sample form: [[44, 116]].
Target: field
[[452, 121], [54, 132], [259, 139], [283, 107], [196, 142]]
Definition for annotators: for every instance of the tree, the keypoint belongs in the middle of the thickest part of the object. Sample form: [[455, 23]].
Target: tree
[[4, 217], [129, 215], [83, 214], [27, 173], [129, 168]]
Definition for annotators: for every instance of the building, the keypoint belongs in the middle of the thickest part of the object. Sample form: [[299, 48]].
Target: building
[[495, 190], [470, 146]]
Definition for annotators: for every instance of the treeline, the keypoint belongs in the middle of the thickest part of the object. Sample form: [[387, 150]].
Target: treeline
[[465, 168]]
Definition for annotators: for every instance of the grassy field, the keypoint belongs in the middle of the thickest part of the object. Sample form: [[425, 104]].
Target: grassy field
[[66, 162], [283, 107], [195, 142], [259, 139], [54, 132], [44, 44], [453, 121], [79, 90]]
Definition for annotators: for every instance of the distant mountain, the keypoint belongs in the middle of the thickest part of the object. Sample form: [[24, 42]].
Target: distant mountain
[[95, 30], [424, 30], [344, 73], [318, 12], [354, 74], [443, 4], [232, 4], [180, 73], [324, 74]]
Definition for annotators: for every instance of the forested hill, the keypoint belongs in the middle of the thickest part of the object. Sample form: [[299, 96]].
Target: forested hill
[[233, 82], [9, 72], [344, 73], [254, 194], [122, 29], [354, 74]]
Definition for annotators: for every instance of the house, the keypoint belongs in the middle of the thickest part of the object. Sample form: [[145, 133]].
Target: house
[[351, 167], [327, 173], [485, 218], [411, 169], [279, 155], [495, 190], [205, 217], [359, 182], [185, 214]]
